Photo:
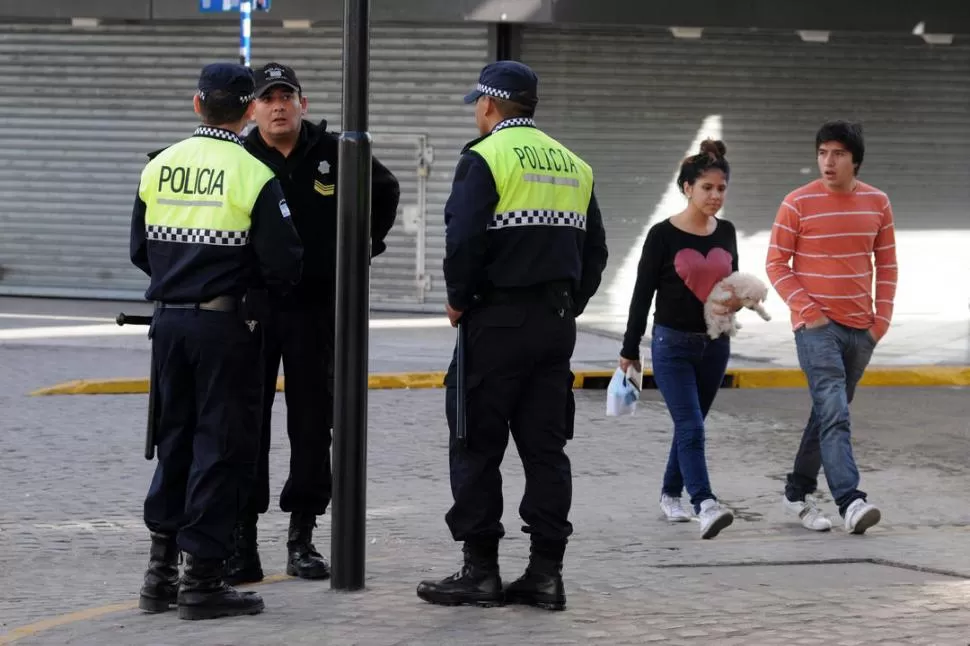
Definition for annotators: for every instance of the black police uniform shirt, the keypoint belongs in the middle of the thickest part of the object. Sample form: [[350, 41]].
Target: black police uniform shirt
[[309, 178], [184, 272], [478, 261], [681, 269]]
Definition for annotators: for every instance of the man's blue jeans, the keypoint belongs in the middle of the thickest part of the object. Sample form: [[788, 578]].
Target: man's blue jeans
[[833, 358], [688, 368]]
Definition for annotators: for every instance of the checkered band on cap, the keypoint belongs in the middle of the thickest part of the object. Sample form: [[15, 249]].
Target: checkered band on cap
[[248, 98], [197, 236], [538, 218], [517, 121], [491, 91], [218, 133]]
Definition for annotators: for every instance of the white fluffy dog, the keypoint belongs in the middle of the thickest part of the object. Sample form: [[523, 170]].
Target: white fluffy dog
[[748, 288]]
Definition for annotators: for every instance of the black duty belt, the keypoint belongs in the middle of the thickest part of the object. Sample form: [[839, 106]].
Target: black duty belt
[[558, 293], [217, 304]]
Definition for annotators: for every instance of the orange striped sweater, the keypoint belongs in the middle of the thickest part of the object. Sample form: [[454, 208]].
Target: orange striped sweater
[[830, 240]]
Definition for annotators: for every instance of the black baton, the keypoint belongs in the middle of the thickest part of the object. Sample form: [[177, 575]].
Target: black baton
[[133, 319], [461, 430], [129, 319]]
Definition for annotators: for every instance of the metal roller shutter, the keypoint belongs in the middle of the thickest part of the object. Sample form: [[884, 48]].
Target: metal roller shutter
[[633, 102], [81, 107]]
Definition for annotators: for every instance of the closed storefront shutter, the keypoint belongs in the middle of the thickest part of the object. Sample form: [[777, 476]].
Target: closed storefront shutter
[[82, 107], [633, 102]]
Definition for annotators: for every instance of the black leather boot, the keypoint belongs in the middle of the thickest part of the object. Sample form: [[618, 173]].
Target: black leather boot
[[477, 582], [160, 589], [244, 565], [541, 585], [204, 595], [303, 560]]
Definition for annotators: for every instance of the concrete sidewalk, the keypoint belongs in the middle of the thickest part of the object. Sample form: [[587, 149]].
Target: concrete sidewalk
[[73, 548], [398, 343], [49, 330]]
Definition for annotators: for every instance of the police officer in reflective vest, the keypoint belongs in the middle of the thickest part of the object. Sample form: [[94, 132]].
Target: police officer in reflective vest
[[525, 252], [209, 226]]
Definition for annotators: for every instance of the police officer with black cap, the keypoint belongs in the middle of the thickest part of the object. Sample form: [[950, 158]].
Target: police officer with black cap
[[300, 326], [525, 252], [210, 225]]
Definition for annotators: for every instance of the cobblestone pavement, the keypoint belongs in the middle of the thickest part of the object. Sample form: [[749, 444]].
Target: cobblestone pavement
[[71, 538]]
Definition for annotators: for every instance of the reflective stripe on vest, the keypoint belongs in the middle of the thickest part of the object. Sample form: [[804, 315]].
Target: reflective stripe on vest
[[202, 191], [539, 181]]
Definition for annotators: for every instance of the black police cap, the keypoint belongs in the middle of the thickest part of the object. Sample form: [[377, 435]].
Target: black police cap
[[230, 78], [273, 74], [510, 80]]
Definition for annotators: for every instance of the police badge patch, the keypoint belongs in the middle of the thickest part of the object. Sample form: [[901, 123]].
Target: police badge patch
[[324, 167]]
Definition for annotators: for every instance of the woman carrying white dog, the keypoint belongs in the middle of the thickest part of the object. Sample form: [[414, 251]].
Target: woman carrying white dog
[[683, 258]]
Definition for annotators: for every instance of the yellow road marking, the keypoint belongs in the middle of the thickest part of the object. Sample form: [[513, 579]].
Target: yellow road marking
[[93, 613], [62, 620]]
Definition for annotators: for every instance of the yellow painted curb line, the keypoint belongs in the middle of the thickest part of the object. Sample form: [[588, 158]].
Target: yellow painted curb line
[[30, 630], [917, 376], [895, 377], [139, 386]]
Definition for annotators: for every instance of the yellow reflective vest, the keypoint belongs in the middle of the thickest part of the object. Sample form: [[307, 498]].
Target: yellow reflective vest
[[211, 220], [538, 180], [202, 190]]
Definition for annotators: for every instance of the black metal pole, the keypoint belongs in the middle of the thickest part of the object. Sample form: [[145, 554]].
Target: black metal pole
[[348, 532], [503, 44]]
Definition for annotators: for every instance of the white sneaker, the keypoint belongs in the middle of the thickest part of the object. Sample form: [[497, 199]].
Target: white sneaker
[[860, 516], [673, 510], [811, 516], [713, 518]]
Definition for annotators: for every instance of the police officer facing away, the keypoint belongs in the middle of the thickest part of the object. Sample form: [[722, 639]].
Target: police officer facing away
[[209, 224], [300, 329], [525, 251]]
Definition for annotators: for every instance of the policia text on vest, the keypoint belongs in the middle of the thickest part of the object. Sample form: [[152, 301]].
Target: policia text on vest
[[192, 181], [555, 158]]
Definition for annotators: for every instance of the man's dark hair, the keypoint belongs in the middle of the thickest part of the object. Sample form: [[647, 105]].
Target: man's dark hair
[[512, 110], [846, 133], [710, 157], [220, 108]]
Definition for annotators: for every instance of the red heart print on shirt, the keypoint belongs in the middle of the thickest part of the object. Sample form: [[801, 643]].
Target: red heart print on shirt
[[699, 272]]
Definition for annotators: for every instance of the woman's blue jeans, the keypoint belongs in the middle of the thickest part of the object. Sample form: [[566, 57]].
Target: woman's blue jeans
[[688, 368]]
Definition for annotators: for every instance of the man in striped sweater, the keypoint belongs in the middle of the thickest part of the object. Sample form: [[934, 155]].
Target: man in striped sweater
[[820, 261]]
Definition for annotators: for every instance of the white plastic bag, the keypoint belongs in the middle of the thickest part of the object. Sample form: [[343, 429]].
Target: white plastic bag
[[621, 395]]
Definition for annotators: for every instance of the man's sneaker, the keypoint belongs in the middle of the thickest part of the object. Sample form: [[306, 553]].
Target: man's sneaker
[[673, 510], [860, 516], [811, 516], [713, 518]]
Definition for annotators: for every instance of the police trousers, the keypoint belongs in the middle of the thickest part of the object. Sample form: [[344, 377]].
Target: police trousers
[[518, 381], [300, 333], [208, 378]]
